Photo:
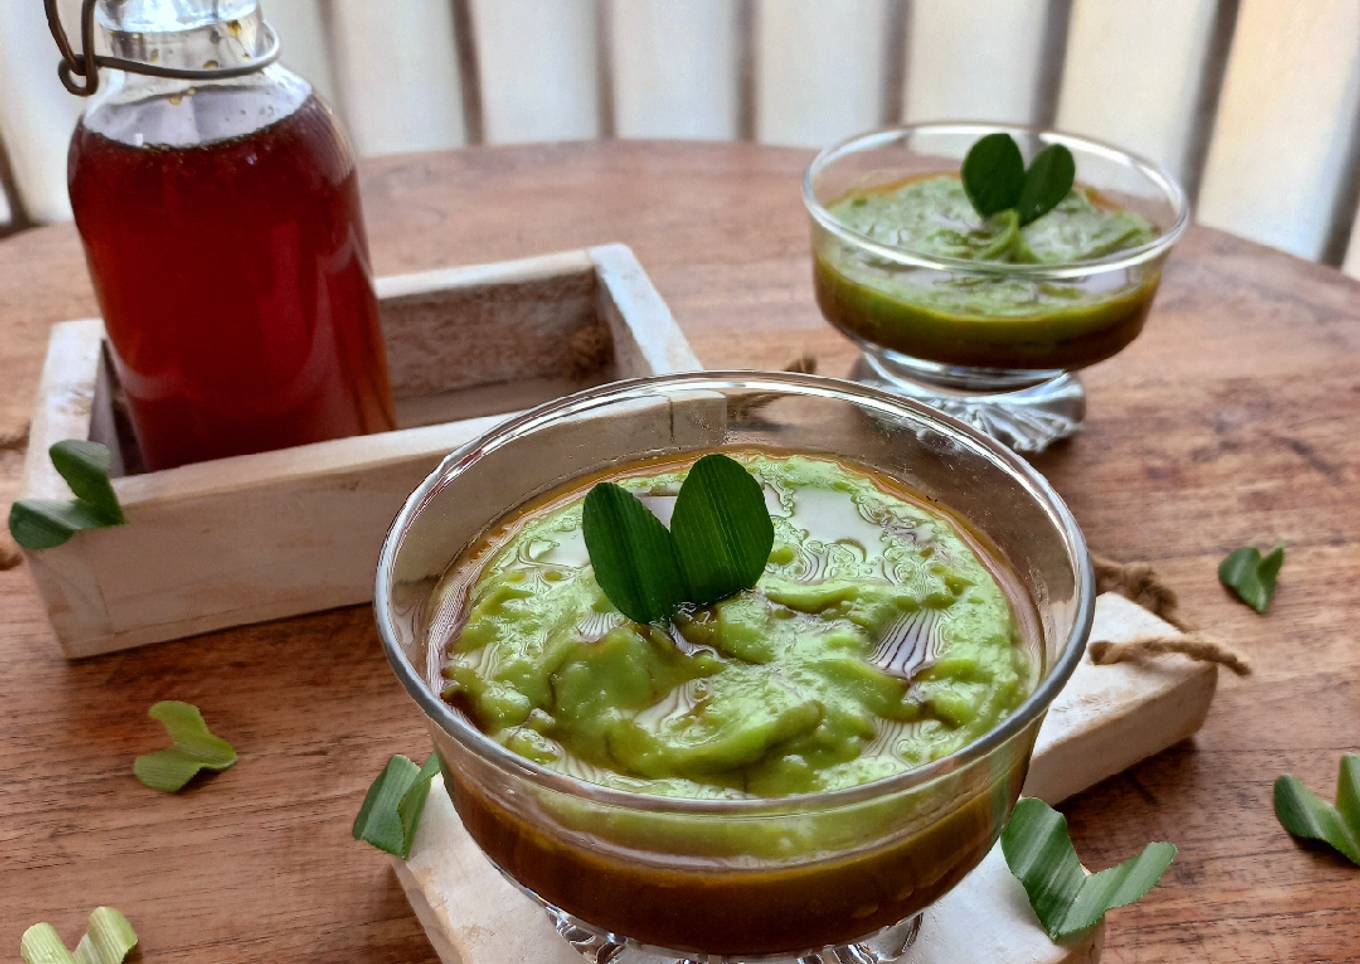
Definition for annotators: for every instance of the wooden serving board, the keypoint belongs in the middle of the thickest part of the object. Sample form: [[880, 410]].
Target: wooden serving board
[[255, 537], [1106, 719]]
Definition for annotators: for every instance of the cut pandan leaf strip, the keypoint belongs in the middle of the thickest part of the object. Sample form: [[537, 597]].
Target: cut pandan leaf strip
[[1304, 814], [721, 528], [632, 554], [41, 944], [718, 544], [195, 748], [390, 814], [1252, 576], [109, 940], [1066, 899]]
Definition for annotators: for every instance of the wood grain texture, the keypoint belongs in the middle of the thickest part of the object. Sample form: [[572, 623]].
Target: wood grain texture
[[1236, 417]]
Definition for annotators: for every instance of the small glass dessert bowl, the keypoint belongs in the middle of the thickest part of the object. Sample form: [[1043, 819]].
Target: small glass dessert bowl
[[984, 318], [657, 854]]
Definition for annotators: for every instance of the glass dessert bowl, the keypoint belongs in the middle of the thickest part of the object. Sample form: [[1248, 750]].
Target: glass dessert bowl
[[653, 866], [990, 333]]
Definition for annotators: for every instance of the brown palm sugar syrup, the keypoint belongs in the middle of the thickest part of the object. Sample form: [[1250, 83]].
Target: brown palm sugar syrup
[[234, 281]]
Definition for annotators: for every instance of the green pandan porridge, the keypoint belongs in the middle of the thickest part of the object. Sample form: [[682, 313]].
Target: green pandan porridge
[[998, 320], [879, 638]]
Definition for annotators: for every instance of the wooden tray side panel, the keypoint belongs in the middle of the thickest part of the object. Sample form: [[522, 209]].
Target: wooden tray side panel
[[459, 327], [645, 335], [66, 577]]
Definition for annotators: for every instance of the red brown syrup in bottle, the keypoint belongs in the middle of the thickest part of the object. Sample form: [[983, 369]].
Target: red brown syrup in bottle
[[235, 285]]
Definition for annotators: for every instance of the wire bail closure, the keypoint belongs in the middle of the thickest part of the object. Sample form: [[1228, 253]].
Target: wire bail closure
[[86, 64]]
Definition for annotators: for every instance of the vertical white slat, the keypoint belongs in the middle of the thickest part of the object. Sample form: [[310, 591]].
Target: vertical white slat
[[1132, 75], [1290, 97], [819, 69], [37, 115], [1352, 263], [6, 211], [538, 62], [397, 75], [675, 68], [304, 46], [978, 60]]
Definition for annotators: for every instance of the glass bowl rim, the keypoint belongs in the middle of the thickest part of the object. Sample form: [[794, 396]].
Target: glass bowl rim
[[489, 751], [1126, 258]]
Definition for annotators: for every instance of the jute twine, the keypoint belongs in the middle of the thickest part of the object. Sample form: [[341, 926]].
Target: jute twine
[[1139, 582]]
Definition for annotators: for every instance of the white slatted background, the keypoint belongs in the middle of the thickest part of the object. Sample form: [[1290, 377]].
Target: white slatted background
[[1255, 104]]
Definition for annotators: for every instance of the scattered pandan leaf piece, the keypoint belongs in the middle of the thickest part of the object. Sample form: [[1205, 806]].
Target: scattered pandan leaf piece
[[195, 748], [718, 543], [108, 940], [46, 523], [1252, 576], [390, 814], [1304, 814], [1066, 899]]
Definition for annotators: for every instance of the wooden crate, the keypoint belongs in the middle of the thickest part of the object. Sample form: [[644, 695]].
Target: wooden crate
[[254, 537]]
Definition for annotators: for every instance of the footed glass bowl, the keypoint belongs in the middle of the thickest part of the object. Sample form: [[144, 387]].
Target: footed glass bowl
[[994, 344], [832, 876]]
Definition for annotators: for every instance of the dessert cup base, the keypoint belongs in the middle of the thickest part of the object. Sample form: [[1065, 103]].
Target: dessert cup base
[[602, 947], [1026, 410]]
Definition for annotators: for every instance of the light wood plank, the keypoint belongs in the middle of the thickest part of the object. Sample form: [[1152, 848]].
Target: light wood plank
[[537, 62], [974, 61], [1290, 100], [675, 68], [819, 69], [1133, 72], [397, 75]]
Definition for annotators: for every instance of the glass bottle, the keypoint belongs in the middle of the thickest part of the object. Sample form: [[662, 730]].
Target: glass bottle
[[223, 232]]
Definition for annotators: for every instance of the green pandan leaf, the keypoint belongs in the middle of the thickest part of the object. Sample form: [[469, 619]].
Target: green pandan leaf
[[721, 528], [1304, 814], [109, 940], [1252, 576], [85, 467], [1066, 899], [390, 814], [47, 523], [632, 554], [195, 748], [718, 543], [1048, 180], [993, 174]]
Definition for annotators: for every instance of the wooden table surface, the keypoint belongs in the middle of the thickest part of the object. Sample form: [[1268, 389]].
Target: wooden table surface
[[1234, 419]]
